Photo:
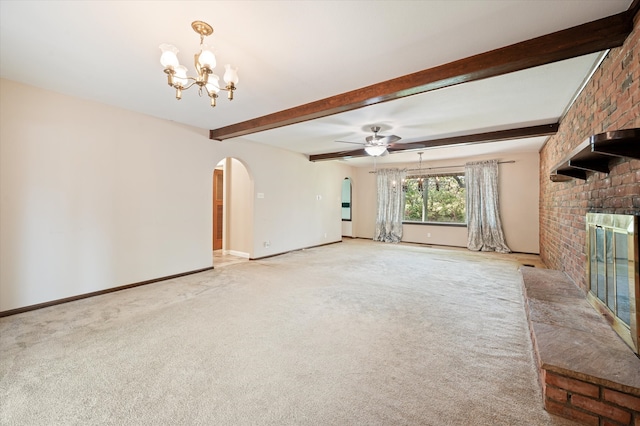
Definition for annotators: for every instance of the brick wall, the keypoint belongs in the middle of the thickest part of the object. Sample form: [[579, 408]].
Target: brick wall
[[589, 403], [610, 101]]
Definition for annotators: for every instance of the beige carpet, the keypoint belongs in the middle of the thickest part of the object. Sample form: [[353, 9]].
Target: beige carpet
[[356, 333]]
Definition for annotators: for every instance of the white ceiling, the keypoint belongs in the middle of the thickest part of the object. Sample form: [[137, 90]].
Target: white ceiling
[[292, 52]]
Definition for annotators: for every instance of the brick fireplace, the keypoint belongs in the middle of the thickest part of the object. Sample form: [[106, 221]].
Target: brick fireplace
[[609, 102]]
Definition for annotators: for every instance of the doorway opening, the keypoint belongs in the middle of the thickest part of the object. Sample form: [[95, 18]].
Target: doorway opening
[[232, 211], [218, 207]]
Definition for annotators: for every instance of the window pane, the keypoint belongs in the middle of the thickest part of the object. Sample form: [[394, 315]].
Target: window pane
[[435, 199], [446, 199], [412, 201]]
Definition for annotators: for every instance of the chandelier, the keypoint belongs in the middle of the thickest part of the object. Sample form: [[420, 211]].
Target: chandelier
[[419, 179], [205, 62]]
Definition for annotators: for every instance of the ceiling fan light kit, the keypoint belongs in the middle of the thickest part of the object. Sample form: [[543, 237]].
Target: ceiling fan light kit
[[375, 150], [205, 62]]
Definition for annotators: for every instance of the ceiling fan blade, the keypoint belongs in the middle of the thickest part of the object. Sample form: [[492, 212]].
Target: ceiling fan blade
[[354, 143], [387, 140], [382, 140]]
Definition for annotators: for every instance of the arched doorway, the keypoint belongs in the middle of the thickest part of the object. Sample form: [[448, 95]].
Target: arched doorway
[[232, 209], [218, 207]]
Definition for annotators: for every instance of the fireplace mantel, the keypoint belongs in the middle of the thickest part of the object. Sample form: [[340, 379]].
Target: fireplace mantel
[[594, 154]]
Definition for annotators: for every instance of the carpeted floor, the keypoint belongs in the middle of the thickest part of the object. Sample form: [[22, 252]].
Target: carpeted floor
[[356, 333]]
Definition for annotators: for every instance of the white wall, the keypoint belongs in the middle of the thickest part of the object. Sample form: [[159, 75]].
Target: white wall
[[347, 228], [286, 210], [519, 202], [239, 211], [95, 197], [364, 203], [518, 185]]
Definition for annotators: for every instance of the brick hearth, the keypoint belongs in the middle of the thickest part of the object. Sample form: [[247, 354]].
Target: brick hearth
[[587, 373]]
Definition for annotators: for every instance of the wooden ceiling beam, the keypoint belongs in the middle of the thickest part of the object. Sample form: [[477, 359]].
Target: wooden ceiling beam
[[580, 40], [496, 136]]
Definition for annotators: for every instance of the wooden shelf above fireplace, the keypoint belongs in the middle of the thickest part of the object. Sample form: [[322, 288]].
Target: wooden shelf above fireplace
[[594, 154]]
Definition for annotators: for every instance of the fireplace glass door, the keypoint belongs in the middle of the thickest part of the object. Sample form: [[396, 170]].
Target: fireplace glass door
[[612, 247], [610, 271]]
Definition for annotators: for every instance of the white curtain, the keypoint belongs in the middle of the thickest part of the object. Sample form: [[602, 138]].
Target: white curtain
[[390, 205], [483, 216]]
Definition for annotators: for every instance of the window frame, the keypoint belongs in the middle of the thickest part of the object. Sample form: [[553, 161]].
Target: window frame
[[434, 223]]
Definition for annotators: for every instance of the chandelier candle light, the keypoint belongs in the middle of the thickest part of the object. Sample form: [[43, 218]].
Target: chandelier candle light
[[205, 62]]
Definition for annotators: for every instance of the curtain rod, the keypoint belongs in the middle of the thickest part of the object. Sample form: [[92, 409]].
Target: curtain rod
[[443, 167]]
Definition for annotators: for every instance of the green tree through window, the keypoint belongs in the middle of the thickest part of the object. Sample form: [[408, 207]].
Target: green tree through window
[[437, 198]]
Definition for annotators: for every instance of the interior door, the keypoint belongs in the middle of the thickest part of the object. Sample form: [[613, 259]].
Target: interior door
[[218, 208]]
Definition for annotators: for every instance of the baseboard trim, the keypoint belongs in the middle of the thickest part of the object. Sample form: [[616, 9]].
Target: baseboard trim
[[445, 246], [96, 293], [291, 251], [242, 254]]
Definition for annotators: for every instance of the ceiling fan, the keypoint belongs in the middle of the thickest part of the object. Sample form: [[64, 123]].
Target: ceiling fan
[[376, 145]]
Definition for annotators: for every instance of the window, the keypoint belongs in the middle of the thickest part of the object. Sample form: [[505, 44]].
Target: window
[[435, 198], [346, 199]]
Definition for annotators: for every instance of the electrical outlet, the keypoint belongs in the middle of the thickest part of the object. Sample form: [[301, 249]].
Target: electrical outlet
[[428, 234], [267, 244]]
